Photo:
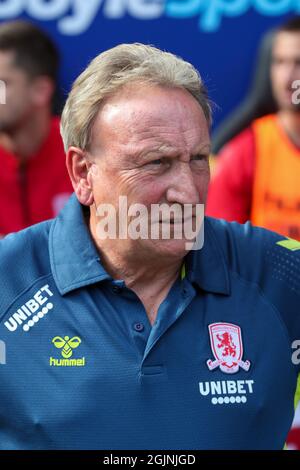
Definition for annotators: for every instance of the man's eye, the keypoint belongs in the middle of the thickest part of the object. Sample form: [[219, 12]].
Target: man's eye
[[158, 161], [199, 157]]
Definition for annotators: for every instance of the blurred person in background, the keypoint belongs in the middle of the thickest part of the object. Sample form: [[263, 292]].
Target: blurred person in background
[[33, 181], [257, 176]]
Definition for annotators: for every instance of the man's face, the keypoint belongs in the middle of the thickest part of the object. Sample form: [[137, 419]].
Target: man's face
[[151, 144], [18, 106], [285, 67]]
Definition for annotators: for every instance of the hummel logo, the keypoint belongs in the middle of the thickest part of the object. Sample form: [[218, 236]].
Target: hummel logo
[[66, 344]]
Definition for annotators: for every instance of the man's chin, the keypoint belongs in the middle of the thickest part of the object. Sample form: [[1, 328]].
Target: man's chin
[[171, 248]]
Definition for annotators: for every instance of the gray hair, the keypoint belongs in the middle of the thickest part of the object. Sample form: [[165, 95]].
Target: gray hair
[[115, 68]]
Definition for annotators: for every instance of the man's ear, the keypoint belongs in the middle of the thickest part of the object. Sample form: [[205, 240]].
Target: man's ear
[[78, 167]]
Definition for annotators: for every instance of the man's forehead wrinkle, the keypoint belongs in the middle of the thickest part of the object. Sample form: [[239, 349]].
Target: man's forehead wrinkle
[[163, 130], [138, 125], [146, 146], [135, 113], [158, 138]]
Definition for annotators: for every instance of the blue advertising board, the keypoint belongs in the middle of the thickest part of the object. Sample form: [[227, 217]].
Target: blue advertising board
[[220, 37]]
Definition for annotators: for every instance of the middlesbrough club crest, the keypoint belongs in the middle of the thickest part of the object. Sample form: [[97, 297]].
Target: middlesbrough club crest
[[227, 347]]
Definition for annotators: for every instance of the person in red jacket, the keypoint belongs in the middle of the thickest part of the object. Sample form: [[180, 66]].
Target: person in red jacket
[[33, 179], [257, 175]]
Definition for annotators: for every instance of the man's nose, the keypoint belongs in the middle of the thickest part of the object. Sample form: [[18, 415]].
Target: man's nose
[[182, 188]]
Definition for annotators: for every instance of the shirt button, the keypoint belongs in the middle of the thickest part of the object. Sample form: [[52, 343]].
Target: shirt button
[[138, 327], [184, 293], [116, 289]]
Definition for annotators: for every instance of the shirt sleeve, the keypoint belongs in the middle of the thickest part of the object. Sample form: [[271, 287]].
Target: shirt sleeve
[[272, 262], [230, 191]]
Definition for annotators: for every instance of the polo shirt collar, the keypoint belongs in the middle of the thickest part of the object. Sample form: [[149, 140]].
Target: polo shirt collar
[[74, 258], [207, 267], [75, 261]]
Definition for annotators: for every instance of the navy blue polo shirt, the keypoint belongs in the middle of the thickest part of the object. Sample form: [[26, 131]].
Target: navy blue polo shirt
[[82, 368]]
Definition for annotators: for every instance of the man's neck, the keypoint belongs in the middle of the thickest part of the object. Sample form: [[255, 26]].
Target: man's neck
[[290, 122], [151, 278], [26, 140], [139, 272]]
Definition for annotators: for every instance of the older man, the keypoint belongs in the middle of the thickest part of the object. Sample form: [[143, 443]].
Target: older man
[[125, 342]]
